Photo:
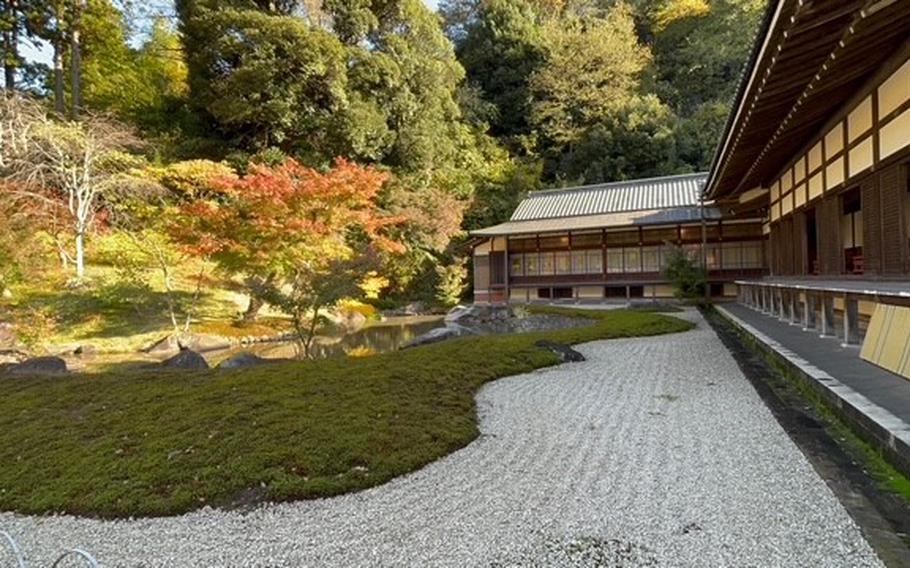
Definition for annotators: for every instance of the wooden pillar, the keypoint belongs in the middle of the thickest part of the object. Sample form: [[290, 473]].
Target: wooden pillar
[[508, 269], [791, 296], [827, 313], [809, 311], [851, 320], [781, 305]]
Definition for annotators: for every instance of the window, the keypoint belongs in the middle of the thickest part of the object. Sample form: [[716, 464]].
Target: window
[[731, 255], [519, 245], [516, 265], [691, 234], [563, 262], [552, 243], [741, 230], [586, 240], [578, 262], [532, 264], [659, 236], [595, 261], [632, 257], [614, 260], [712, 255], [852, 231], [621, 238], [650, 259], [547, 267], [752, 255]]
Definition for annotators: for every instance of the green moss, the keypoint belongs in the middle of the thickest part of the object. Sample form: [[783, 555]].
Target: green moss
[[126, 444]]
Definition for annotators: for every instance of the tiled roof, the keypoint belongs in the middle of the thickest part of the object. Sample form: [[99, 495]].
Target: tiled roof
[[668, 216], [600, 199]]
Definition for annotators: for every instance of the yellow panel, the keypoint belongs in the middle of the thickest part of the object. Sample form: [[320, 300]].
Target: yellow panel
[[893, 92], [518, 295], [775, 211], [860, 156], [860, 119], [786, 182], [816, 188], [834, 173], [786, 204], [799, 195], [815, 157], [664, 291], [590, 292], [894, 340], [834, 141], [838, 304], [871, 342], [866, 308], [887, 342], [775, 191], [895, 135], [799, 169]]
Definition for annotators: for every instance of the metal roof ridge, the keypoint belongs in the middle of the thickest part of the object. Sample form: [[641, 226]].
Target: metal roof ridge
[[615, 184]]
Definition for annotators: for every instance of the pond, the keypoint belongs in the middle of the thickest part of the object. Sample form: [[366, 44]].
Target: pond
[[378, 337]]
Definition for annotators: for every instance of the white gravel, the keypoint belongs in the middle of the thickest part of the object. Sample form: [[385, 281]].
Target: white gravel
[[654, 452]]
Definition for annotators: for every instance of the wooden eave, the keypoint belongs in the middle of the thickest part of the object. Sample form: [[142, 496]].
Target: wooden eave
[[817, 54]]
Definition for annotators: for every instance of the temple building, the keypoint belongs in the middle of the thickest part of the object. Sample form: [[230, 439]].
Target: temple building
[[804, 213], [818, 144], [612, 241]]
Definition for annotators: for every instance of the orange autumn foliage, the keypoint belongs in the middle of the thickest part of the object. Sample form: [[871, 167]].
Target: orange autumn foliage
[[275, 218]]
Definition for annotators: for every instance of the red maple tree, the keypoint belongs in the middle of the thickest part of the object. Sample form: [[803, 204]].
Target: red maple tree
[[277, 223]]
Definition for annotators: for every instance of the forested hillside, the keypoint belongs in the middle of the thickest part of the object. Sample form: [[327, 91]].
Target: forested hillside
[[461, 112]]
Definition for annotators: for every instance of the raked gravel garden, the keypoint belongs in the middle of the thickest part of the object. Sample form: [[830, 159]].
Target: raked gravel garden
[[654, 452]]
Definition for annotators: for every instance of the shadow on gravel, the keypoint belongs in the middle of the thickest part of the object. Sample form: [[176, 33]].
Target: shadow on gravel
[[884, 517]]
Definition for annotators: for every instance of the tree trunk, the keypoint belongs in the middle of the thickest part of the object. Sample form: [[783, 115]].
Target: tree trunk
[[252, 309], [11, 45], [76, 59], [59, 103], [80, 256]]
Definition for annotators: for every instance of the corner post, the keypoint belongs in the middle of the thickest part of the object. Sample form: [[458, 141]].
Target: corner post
[[851, 320], [827, 310]]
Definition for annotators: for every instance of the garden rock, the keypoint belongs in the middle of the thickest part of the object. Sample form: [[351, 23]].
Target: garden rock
[[450, 331], [201, 342], [7, 335], [354, 321], [242, 360], [164, 346], [566, 353], [40, 366], [187, 359], [12, 356]]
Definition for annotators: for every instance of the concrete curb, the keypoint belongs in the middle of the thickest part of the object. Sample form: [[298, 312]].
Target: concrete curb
[[876, 425]]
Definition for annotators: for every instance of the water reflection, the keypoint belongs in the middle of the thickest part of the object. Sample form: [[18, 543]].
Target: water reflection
[[379, 338]]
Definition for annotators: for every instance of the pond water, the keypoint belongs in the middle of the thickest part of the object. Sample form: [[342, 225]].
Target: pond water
[[378, 337], [381, 337]]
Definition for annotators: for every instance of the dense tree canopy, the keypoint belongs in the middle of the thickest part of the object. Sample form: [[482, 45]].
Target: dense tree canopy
[[464, 110]]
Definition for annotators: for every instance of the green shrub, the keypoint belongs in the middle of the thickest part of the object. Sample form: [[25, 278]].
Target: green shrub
[[686, 275]]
